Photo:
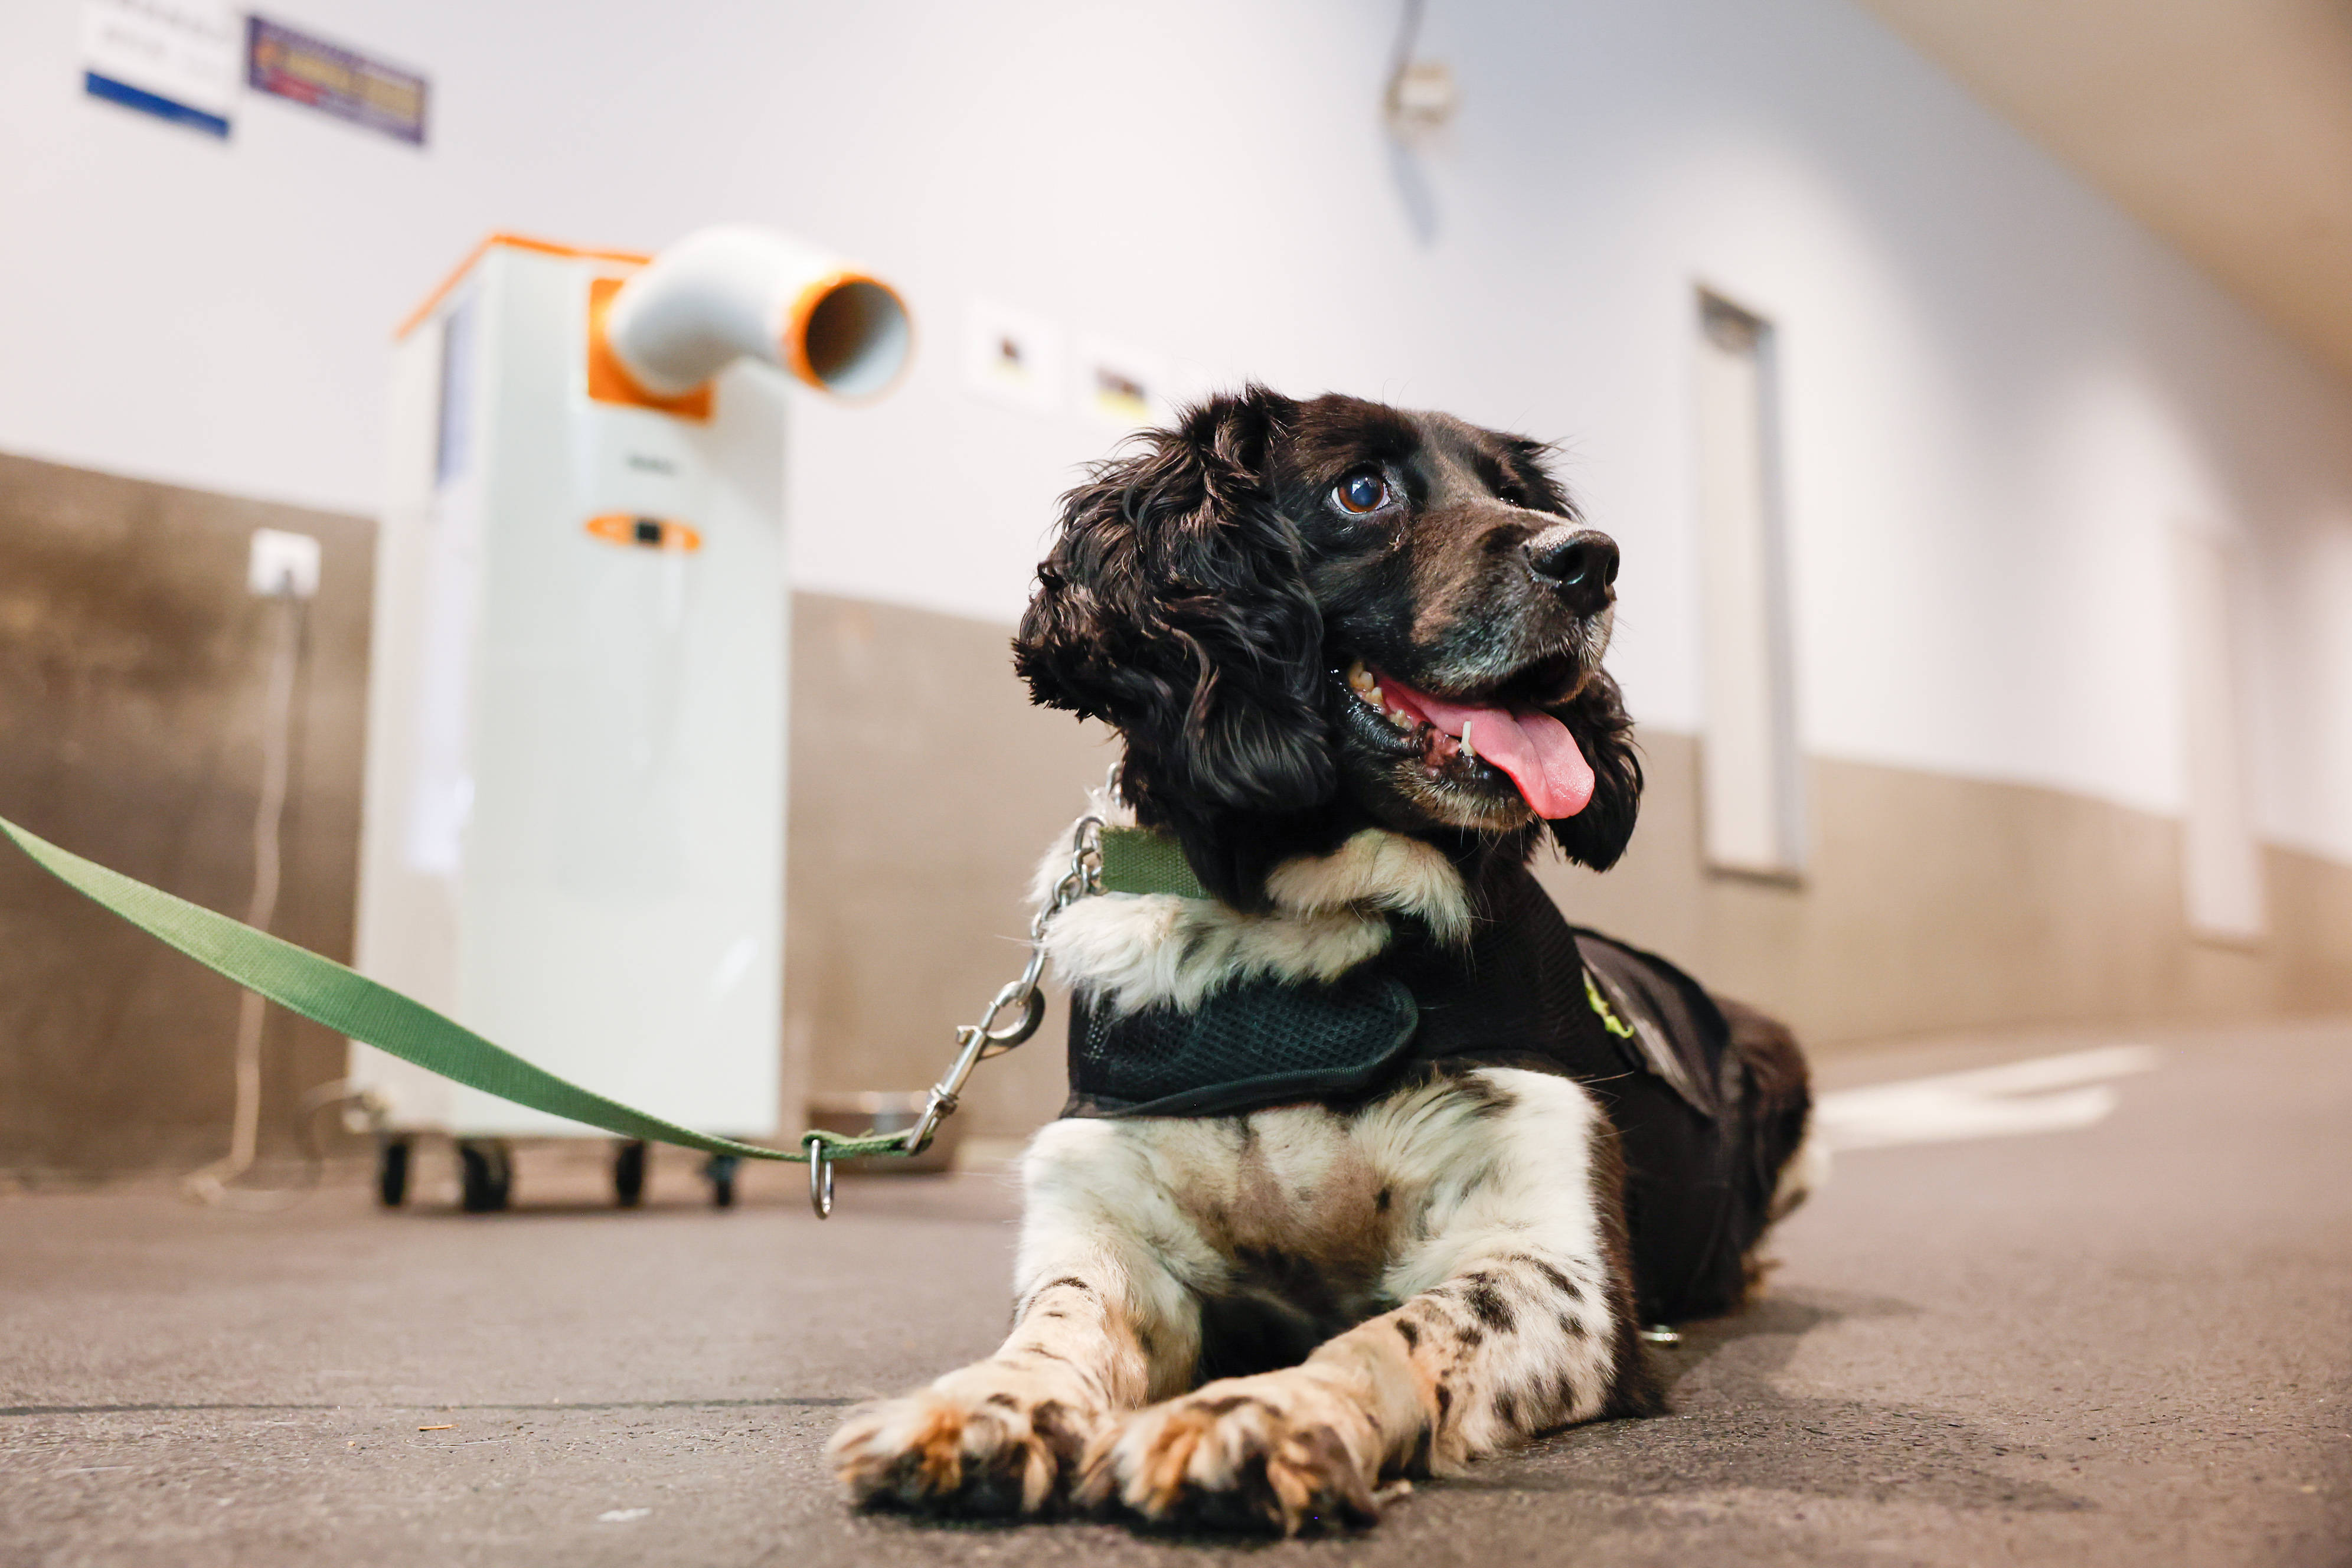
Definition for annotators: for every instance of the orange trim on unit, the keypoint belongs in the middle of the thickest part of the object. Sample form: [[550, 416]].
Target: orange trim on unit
[[609, 380], [795, 344], [626, 528], [511, 242]]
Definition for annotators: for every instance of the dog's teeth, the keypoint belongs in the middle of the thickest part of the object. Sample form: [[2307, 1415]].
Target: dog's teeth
[[1469, 749], [1367, 690]]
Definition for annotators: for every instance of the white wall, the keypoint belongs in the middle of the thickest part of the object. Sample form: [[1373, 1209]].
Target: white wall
[[2001, 395]]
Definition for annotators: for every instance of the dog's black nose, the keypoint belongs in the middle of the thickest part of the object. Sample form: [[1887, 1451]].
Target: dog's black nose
[[1582, 564]]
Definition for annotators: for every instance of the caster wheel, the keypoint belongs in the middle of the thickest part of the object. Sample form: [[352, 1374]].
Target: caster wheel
[[484, 1175], [391, 1172], [720, 1174], [629, 1173]]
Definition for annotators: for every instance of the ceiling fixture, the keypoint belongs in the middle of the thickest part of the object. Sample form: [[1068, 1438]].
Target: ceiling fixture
[[1421, 95]]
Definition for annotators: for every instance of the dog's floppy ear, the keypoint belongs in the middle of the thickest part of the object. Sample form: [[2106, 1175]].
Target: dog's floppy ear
[[1597, 835], [1173, 606]]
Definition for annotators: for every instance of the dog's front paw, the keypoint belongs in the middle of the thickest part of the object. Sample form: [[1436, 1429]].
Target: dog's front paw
[[1275, 1452], [963, 1447]]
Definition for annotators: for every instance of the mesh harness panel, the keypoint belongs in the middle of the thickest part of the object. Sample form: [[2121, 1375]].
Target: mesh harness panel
[[1528, 990]]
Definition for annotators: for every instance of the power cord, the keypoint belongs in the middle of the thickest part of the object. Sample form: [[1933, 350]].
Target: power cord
[[290, 613]]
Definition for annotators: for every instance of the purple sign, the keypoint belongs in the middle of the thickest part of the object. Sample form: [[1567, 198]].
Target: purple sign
[[333, 79]]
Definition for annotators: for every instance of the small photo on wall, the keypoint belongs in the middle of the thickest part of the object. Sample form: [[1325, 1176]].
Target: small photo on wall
[[1013, 357], [1121, 387]]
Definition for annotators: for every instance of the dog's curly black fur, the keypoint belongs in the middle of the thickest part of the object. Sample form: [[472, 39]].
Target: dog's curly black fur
[[1202, 595]]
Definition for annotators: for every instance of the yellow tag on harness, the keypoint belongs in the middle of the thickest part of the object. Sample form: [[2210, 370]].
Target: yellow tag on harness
[[1609, 1019]]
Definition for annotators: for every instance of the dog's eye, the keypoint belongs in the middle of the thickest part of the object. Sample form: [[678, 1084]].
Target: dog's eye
[[1361, 493]]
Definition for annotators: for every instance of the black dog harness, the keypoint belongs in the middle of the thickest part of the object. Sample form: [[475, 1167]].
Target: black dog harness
[[1527, 991]]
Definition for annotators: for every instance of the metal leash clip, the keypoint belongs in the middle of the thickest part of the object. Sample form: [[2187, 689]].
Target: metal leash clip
[[820, 1176], [1012, 1018]]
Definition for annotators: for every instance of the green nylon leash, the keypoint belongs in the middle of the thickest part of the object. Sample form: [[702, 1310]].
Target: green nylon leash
[[351, 1004], [1144, 860], [1127, 860]]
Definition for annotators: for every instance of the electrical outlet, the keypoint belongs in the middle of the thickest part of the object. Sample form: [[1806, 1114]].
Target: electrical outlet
[[282, 566]]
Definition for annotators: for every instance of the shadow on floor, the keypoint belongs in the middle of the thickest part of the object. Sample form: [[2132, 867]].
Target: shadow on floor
[[1732, 1427]]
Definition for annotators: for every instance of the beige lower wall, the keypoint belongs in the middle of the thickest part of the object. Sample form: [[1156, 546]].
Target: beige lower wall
[[1933, 903], [923, 789], [134, 666]]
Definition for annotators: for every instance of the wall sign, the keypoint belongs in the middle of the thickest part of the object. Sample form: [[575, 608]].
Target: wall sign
[[334, 80], [1121, 387], [1011, 357], [175, 59]]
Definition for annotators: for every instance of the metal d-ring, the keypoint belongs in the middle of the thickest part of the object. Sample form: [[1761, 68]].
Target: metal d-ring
[[1022, 992], [820, 1176]]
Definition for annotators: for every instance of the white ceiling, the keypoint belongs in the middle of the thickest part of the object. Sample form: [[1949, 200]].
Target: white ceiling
[[2224, 125]]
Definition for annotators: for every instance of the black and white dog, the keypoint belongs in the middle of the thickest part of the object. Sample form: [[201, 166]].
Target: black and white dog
[[1354, 653]]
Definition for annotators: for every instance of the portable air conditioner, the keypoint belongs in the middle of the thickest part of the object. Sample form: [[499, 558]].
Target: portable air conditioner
[[574, 834]]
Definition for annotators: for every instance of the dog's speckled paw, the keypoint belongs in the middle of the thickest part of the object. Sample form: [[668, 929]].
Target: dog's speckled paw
[[961, 1451], [1240, 1454]]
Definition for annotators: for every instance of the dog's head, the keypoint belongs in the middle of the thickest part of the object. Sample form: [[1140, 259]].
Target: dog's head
[[1296, 614]]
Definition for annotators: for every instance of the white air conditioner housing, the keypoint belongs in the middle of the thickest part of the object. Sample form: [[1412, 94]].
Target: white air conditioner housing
[[575, 821]]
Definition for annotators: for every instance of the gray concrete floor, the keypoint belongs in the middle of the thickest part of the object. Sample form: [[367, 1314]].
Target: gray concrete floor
[[2128, 1344]]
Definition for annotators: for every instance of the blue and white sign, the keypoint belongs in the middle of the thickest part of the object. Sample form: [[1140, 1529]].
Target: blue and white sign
[[177, 59]]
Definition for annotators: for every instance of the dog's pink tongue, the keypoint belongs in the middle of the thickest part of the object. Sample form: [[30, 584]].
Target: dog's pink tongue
[[1527, 744]]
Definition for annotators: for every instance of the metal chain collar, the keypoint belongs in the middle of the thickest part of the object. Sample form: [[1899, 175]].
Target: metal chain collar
[[1015, 1015]]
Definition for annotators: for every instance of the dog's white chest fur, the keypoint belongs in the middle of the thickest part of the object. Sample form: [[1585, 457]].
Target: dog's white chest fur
[[1330, 912]]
